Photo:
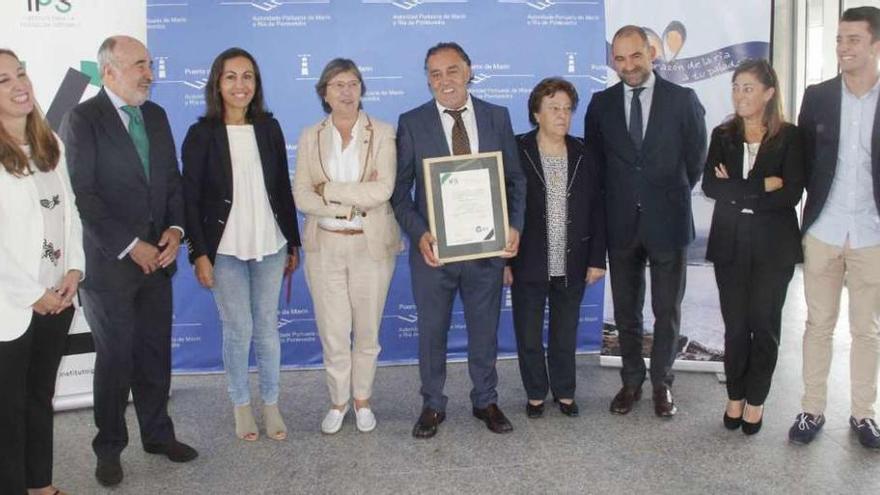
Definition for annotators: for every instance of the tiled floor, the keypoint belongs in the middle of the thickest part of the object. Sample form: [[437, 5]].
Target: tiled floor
[[595, 453]]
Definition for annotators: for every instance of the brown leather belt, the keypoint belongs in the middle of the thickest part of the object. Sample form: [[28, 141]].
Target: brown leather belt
[[343, 231]]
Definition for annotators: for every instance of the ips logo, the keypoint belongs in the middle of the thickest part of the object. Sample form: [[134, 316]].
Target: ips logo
[[61, 6]]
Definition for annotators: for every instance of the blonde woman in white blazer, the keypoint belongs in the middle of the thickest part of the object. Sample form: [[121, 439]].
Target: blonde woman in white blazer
[[41, 264], [345, 172]]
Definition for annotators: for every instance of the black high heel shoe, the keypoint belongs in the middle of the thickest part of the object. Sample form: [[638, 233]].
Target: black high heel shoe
[[534, 410], [570, 409], [732, 423], [752, 428]]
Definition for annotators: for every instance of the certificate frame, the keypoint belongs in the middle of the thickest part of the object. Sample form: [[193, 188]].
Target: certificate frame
[[436, 171]]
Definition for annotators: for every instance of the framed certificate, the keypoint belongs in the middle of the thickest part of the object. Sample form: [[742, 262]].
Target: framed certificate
[[467, 205]]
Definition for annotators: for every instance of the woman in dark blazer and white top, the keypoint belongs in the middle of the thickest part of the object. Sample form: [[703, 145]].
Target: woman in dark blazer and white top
[[755, 174], [241, 228], [562, 248]]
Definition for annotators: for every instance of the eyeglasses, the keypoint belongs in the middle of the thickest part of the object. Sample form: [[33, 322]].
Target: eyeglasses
[[340, 85], [558, 109]]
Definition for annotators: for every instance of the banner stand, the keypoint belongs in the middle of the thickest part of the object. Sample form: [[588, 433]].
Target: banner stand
[[695, 51], [716, 367]]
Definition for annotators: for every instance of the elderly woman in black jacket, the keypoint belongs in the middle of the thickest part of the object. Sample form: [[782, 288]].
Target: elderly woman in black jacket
[[562, 249]]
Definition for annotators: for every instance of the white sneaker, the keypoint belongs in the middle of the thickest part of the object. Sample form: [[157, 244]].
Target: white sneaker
[[333, 420], [366, 420]]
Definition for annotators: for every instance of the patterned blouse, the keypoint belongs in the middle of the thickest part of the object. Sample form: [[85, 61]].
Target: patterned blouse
[[52, 249], [556, 180]]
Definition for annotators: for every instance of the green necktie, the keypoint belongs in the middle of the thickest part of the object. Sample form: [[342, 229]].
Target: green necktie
[[138, 134]]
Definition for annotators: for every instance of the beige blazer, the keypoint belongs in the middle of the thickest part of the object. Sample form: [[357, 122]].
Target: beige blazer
[[377, 152]]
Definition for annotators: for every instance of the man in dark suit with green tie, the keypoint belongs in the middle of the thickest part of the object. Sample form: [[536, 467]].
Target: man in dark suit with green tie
[[123, 168]]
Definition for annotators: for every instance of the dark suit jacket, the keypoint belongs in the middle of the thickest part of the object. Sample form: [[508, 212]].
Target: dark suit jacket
[[207, 183], [420, 135], [660, 176], [819, 122], [585, 233], [774, 225], [115, 199]]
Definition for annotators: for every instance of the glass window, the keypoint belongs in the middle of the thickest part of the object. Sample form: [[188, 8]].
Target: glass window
[[848, 4]]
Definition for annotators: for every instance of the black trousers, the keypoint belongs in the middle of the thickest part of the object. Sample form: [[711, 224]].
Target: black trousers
[[529, 301], [132, 331], [752, 294], [668, 275], [28, 367]]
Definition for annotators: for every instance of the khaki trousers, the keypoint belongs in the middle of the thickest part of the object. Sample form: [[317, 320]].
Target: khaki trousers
[[826, 267], [348, 290]]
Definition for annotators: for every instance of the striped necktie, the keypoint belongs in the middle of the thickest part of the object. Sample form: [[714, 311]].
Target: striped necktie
[[461, 145]]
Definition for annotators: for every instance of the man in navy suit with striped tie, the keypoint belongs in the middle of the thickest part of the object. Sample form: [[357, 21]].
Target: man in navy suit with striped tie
[[455, 123]]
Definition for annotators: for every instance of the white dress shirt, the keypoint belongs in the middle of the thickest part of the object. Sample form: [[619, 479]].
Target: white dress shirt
[[251, 231], [645, 97], [343, 166], [470, 124]]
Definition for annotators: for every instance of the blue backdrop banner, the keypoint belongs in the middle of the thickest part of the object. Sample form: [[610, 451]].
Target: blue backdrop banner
[[513, 44]]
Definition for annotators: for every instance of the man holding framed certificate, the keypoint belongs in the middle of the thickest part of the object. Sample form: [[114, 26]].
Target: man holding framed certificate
[[470, 192]]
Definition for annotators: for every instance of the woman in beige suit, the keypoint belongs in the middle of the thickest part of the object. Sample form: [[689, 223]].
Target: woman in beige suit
[[345, 171]]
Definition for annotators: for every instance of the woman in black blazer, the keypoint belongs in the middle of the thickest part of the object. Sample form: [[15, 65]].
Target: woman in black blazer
[[755, 174], [562, 248], [241, 228]]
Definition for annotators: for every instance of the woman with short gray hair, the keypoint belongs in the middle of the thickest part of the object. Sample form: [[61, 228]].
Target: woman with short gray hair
[[345, 172]]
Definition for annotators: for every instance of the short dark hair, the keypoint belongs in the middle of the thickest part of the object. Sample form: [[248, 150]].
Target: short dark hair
[[549, 87], [447, 45], [631, 29], [871, 15], [332, 69], [214, 109]]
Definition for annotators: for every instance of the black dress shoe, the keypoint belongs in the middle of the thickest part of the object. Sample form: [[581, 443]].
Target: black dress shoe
[[732, 423], [426, 426], [570, 410], [534, 411], [175, 451], [494, 419], [664, 405], [109, 472], [625, 398]]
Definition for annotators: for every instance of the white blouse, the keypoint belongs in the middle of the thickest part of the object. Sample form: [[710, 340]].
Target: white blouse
[[343, 166], [750, 154], [251, 231]]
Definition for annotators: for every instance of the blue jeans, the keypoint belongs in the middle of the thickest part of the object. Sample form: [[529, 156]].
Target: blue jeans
[[246, 293]]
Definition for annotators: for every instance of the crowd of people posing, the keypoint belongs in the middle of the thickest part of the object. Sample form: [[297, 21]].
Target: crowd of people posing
[[100, 210]]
